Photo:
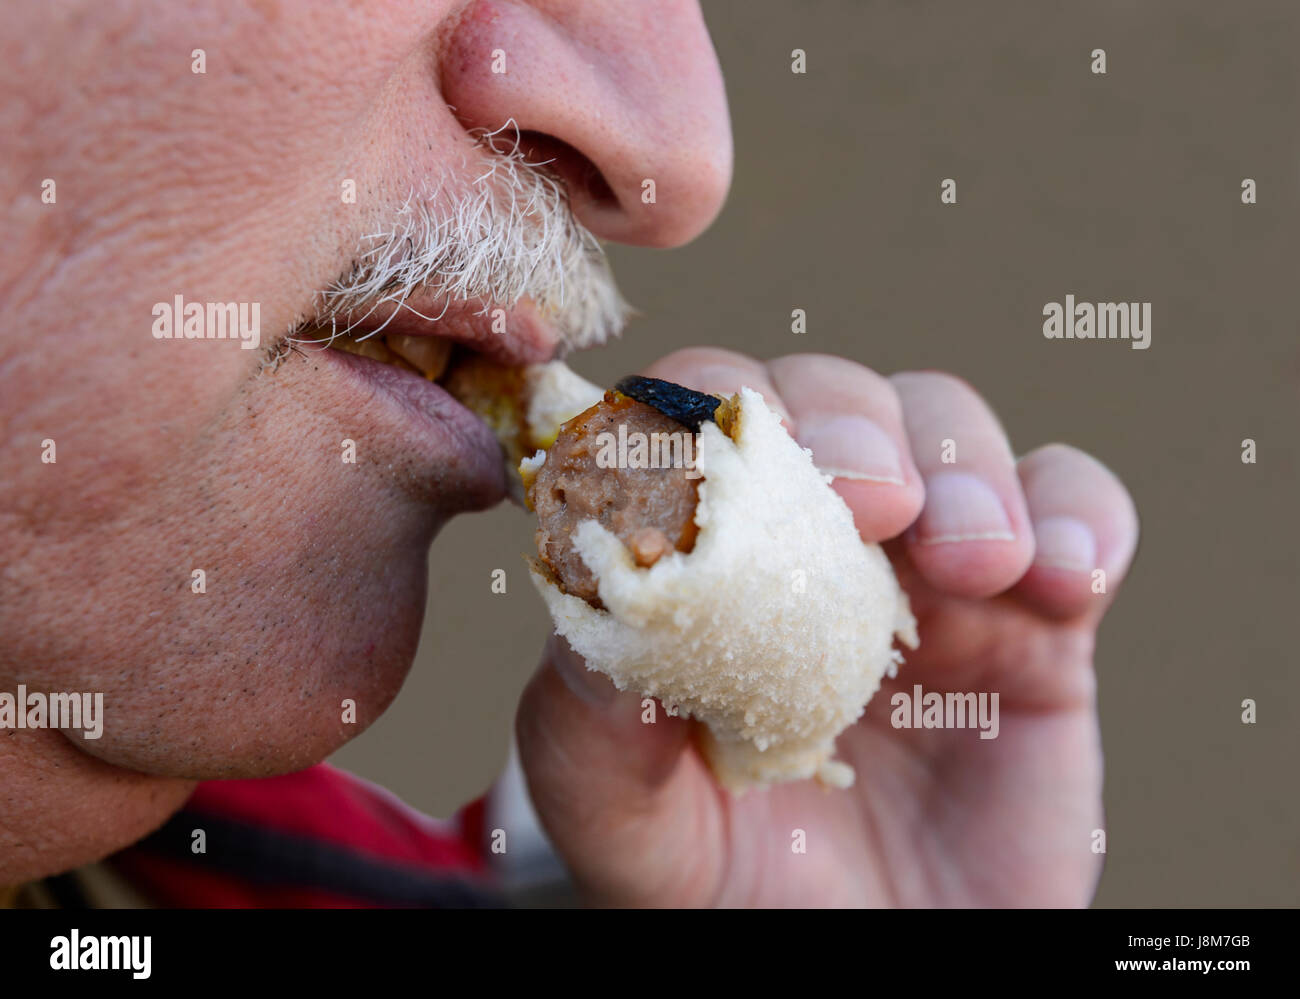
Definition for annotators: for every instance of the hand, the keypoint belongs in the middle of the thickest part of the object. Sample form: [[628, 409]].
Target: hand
[[998, 557]]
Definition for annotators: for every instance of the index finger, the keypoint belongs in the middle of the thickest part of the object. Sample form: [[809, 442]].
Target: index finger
[[851, 419], [846, 414]]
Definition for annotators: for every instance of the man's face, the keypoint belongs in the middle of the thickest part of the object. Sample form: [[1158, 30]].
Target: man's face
[[234, 185]]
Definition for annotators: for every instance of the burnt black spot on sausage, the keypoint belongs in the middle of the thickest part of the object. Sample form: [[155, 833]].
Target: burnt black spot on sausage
[[686, 406]]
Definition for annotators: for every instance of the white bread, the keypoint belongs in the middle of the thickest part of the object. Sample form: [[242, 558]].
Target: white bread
[[774, 630]]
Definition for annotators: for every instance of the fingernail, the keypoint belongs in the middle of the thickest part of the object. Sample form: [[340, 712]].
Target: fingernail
[[1064, 543], [852, 447], [961, 507], [589, 685]]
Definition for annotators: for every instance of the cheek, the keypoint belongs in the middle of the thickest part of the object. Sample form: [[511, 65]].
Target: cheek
[[218, 186], [231, 595]]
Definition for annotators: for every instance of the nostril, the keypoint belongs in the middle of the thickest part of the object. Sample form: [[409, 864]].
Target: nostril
[[581, 175]]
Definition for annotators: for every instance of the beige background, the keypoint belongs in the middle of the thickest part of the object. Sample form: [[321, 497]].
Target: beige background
[[1117, 187]]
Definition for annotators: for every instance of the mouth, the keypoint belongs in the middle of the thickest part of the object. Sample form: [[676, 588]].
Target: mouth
[[426, 356], [441, 389], [422, 339]]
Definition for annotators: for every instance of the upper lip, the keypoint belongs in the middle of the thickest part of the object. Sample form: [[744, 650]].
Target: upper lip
[[525, 338]]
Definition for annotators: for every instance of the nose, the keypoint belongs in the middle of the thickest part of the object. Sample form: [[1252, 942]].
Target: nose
[[626, 99]]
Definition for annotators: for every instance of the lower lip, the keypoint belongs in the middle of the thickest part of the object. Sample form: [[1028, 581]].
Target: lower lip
[[456, 451]]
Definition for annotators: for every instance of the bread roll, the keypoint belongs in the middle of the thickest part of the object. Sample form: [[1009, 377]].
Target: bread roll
[[774, 630]]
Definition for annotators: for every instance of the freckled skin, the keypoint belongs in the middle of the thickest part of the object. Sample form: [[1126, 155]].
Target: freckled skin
[[179, 455]]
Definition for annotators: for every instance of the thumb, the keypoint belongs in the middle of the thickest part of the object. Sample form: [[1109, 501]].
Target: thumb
[[613, 782]]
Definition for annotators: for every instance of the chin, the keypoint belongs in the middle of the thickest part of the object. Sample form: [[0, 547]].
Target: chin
[[286, 657]]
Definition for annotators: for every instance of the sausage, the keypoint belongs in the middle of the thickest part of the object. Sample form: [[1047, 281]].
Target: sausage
[[651, 510]]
